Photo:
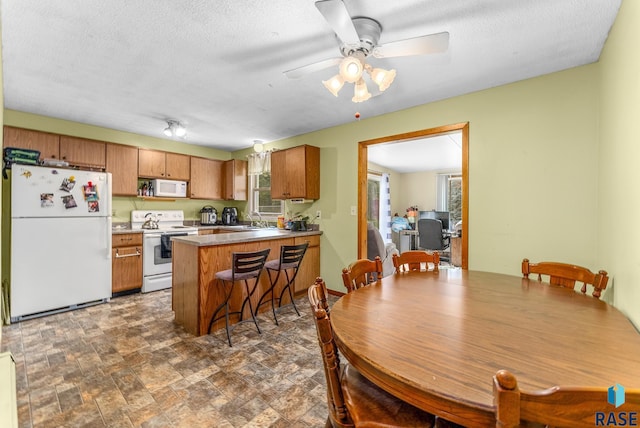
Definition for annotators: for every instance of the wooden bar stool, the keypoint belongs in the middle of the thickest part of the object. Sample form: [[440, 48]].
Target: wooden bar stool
[[289, 262], [245, 267]]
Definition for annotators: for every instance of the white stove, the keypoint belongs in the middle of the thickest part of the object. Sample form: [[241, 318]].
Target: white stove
[[158, 228]]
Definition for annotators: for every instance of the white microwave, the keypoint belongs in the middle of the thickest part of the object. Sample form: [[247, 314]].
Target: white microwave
[[169, 188]]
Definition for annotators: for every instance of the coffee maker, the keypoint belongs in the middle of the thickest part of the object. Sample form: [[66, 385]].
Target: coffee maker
[[229, 216]]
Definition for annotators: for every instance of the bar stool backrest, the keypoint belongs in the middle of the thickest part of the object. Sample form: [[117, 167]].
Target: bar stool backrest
[[292, 255], [248, 264]]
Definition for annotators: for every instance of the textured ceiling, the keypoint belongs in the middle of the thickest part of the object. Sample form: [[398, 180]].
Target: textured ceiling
[[217, 66]]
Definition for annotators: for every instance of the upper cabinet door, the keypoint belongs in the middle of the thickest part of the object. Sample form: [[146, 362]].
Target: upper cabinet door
[[47, 144], [151, 163], [235, 180], [83, 152], [177, 166], [279, 174], [295, 173], [206, 178], [122, 163]]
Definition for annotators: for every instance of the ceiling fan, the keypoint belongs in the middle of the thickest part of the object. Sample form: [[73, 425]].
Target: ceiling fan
[[359, 39]]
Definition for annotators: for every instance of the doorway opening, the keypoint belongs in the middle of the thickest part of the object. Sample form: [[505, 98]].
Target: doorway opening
[[455, 186]]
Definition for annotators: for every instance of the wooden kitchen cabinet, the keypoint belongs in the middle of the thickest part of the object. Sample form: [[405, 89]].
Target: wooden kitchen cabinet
[[122, 163], [309, 269], [295, 173], [83, 152], [126, 262], [46, 143], [235, 180], [206, 178], [158, 164]]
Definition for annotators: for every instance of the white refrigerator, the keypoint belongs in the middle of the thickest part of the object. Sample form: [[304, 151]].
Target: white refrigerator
[[60, 240]]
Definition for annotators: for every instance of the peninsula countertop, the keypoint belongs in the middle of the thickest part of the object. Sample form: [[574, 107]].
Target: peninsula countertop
[[241, 235]]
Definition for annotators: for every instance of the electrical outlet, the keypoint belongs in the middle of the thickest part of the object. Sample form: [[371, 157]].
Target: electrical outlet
[[318, 214]]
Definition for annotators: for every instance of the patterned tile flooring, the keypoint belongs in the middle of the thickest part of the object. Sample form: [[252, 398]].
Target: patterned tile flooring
[[127, 364]]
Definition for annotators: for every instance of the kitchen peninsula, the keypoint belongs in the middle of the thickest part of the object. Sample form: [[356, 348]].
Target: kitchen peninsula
[[196, 259]]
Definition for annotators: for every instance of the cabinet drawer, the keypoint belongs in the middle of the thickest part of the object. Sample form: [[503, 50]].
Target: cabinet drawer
[[313, 240], [126, 239]]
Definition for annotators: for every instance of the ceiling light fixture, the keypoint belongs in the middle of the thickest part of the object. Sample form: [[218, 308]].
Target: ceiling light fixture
[[351, 69], [175, 129]]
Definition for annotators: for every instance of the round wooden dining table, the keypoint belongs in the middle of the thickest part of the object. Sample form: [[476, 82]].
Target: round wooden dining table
[[435, 339]]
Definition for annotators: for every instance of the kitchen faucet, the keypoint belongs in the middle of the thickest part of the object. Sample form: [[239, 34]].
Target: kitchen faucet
[[260, 223]]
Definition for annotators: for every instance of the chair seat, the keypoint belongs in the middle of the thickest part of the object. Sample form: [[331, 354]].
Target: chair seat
[[373, 407], [275, 265], [227, 275]]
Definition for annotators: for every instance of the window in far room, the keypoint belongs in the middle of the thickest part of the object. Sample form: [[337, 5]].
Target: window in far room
[[449, 196], [379, 203]]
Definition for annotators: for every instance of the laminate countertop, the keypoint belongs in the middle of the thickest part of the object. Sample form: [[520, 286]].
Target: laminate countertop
[[239, 236]]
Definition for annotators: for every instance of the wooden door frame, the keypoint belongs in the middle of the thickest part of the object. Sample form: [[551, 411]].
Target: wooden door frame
[[399, 138]]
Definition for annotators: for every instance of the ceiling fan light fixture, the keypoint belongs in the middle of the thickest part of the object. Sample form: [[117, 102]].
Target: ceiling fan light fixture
[[175, 129], [180, 131], [383, 78], [351, 68], [334, 84], [360, 92]]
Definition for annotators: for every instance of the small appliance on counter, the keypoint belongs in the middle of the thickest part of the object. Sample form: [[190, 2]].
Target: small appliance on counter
[[229, 216], [208, 215]]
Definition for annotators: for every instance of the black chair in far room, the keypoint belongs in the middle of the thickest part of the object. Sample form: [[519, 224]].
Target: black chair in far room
[[246, 267], [289, 262], [430, 237]]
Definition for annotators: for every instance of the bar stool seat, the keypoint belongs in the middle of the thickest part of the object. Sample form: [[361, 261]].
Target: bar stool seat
[[245, 266], [289, 262]]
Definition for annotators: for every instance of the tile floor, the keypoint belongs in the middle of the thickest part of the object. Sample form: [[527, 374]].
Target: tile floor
[[126, 364]]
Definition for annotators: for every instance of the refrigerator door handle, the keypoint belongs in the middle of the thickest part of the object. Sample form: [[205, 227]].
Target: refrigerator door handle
[[109, 236]]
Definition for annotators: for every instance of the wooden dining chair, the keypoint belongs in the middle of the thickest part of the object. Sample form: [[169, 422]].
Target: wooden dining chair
[[559, 406], [566, 275], [352, 399], [362, 273], [413, 260]]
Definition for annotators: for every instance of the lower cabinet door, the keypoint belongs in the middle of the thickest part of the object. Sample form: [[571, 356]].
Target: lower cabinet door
[[126, 268], [310, 266]]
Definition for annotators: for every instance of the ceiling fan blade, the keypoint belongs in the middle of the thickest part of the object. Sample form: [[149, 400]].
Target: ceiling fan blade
[[337, 15], [432, 43], [296, 73]]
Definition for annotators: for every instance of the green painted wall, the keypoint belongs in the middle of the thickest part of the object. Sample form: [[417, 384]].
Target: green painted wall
[[619, 206]]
